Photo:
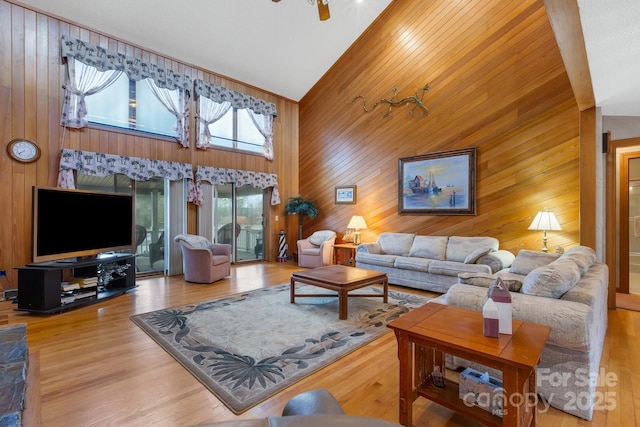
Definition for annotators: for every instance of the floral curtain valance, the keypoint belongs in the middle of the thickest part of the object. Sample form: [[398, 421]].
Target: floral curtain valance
[[218, 176], [99, 164], [136, 69], [221, 95]]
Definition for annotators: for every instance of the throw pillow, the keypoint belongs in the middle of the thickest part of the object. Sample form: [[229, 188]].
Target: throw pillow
[[475, 255], [552, 280], [318, 237], [583, 256], [527, 261]]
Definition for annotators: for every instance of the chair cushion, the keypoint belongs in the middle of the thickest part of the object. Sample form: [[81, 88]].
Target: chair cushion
[[219, 259], [314, 251], [319, 237]]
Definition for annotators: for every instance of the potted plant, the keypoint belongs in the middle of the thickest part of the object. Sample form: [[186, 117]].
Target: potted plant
[[302, 207]]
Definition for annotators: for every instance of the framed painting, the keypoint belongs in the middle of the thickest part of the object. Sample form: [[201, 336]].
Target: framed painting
[[442, 183], [346, 194]]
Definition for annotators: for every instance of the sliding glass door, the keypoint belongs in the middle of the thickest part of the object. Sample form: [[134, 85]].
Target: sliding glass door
[[238, 214], [149, 215]]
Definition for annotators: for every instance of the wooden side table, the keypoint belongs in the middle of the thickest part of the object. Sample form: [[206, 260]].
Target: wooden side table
[[427, 334], [342, 249]]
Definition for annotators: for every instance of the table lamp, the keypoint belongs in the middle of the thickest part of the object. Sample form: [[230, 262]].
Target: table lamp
[[357, 223], [544, 221]]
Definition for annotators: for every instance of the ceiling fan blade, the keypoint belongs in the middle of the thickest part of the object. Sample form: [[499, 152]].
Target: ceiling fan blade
[[323, 10]]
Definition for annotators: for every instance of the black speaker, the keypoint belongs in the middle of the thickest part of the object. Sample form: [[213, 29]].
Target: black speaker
[[605, 142], [38, 289]]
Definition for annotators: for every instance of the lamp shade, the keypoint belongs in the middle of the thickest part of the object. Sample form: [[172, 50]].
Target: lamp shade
[[357, 223], [545, 221]]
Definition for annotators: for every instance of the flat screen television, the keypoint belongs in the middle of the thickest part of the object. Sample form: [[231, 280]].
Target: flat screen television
[[74, 223]]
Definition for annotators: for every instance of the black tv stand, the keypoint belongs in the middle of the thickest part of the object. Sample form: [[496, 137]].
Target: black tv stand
[[40, 284]]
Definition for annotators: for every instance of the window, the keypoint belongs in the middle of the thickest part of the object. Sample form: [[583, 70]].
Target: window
[[129, 104], [236, 130]]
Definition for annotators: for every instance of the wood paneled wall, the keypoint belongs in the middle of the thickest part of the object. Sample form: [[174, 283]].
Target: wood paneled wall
[[497, 83], [31, 78]]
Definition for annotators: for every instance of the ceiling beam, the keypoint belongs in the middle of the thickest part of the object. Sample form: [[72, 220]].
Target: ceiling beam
[[564, 16]]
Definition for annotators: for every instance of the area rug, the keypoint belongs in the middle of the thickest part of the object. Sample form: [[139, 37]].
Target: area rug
[[247, 347]]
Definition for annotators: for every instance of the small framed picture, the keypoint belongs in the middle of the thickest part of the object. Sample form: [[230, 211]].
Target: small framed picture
[[346, 194]]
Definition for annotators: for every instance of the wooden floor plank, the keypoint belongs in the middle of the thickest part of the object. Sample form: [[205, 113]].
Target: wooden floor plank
[[98, 368]]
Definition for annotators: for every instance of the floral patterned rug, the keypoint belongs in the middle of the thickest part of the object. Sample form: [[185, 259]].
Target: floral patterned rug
[[247, 347]]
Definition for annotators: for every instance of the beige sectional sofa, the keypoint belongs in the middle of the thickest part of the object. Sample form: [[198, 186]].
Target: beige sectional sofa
[[568, 293], [431, 262]]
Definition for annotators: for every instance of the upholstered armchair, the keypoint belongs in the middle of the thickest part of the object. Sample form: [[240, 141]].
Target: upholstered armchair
[[317, 249], [203, 261]]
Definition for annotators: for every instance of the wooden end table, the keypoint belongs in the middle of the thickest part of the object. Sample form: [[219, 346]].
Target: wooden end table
[[340, 249], [341, 279], [427, 333]]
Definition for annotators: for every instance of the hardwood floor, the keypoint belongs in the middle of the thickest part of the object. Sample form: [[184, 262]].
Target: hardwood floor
[[97, 368]]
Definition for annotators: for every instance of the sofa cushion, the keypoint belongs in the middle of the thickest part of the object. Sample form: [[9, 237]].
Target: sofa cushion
[[375, 259], [396, 243], [526, 261], [459, 247], [412, 263], [451, 268], [431, 247], [475, 255], [552, 280], [319, 237], [583, 256]]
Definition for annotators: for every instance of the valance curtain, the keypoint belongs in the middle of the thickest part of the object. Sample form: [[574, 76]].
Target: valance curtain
[[219, 176], [221, 95], [99, 164], [136, 69]]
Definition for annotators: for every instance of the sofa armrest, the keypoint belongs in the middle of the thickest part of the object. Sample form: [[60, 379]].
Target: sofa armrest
[[370, 248], [483, 280], [497, 260], [570, 321]]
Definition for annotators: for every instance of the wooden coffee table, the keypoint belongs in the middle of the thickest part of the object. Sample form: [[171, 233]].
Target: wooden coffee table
[[341, 279], [429, 332]]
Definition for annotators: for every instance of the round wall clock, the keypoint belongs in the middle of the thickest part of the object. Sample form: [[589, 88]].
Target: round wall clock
[[23, 150]]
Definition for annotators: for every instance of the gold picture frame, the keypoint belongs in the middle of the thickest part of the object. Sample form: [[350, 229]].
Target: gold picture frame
[[346, 194]]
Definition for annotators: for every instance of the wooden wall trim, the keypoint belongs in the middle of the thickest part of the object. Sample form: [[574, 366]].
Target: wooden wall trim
[[612, 243], [564, 16], [588, 185]]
